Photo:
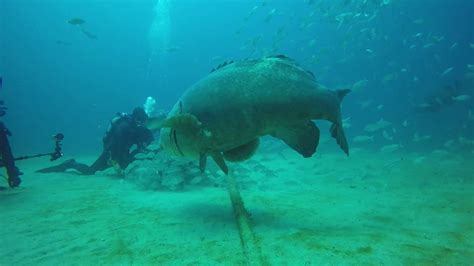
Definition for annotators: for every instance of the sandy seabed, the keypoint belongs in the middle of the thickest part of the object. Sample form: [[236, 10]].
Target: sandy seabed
[[370, 208]]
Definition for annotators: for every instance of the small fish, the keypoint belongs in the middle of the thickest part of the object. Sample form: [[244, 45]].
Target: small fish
[[217, 58], [423, 105], [389, 77], [363, 138], [346, 122], [270, 15], [470, 115], [405, 123], [281, 30], [172, 49], [419, 159], [418, 35], [380, 107], [390, 148], [386, 135], [251, 12], [438, 39], [309, 25], [469, 76], [403, 70], [381, 124], [412, 47], [89, 34], [419, 21], [449, 144], [76, 21], [446, 71], [418, 138], [453, 46], [373, 16], [470, 67], [360, 84], [439, 152], [465, 141], [365, 104], [471, 45], [416, 79], [369, 51], [461, 98], [428, 45], [63, 43]]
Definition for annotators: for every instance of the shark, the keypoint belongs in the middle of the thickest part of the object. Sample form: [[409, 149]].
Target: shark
[[223, 115]]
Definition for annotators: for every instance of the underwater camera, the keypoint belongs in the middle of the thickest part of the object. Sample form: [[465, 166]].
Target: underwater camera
[[6, 156]]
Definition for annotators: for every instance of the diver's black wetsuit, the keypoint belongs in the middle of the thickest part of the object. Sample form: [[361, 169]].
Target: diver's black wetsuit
[[6, 157], [122, 135]]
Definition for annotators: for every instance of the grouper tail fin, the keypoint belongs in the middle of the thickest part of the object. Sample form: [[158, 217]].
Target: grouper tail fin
[[337, 131]]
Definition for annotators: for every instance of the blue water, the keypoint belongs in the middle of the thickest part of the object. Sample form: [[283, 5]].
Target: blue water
[[76, 89], [56, 78]]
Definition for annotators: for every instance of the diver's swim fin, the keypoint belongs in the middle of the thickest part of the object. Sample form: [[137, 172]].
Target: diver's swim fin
[[62, 167]]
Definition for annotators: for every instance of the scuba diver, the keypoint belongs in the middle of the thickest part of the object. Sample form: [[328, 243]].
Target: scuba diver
[[7, 160], [125, 131], [6, 157]]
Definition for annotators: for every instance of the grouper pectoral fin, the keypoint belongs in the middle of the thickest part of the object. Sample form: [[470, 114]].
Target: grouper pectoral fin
[[202, 162], [219, 159], [242, 152], [303, 138]]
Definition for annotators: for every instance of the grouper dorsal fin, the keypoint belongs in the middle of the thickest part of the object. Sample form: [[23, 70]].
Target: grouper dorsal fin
[[222, 65]]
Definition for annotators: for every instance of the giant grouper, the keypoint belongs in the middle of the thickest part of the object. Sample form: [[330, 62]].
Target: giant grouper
[[224, 114]]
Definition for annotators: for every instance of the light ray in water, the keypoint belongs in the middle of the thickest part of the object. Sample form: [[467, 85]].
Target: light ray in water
[[159, 33]]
